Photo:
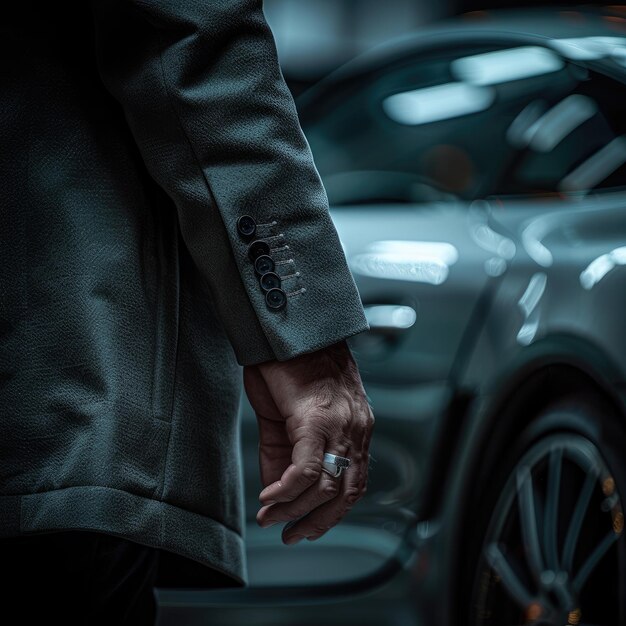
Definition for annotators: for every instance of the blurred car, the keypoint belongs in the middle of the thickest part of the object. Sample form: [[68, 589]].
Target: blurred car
[[477, 177]]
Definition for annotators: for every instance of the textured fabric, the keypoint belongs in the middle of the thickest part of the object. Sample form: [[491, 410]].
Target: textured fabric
[[134, 134]]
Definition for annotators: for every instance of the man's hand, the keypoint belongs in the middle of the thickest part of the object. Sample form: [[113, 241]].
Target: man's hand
[[308, 405]]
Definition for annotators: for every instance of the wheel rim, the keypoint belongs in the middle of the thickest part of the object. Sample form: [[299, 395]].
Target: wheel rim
[[554, 552]]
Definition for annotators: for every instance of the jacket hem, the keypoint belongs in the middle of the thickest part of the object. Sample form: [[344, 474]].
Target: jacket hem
[[140, 519]]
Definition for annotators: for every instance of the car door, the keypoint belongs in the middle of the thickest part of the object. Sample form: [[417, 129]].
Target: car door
[[406, 172], [423, 255]]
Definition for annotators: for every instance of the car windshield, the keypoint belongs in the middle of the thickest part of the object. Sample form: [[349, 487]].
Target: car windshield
[[470, 124]]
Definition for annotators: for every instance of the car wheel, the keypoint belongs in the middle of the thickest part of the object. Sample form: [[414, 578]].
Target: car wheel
[[550, 548]]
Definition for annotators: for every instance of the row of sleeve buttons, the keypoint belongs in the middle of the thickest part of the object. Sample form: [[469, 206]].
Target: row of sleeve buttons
[[264, 266]]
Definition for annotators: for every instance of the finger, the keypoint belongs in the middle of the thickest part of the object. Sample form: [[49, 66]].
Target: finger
[[352, 482], [319, 521], [304, 470], [274, 451], [274, 444], [325, 489]]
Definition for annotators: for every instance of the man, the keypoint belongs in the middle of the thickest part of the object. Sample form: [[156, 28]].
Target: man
[[162, 224]]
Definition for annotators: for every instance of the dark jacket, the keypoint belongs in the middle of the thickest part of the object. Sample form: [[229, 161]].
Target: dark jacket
[[134, 135]]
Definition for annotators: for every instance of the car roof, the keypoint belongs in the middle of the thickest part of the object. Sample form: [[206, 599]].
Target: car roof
[[547, 27]]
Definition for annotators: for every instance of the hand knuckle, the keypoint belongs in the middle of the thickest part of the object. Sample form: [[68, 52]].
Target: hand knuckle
[[311, 472], [330, 489], [367, 422], [352, 496], [334, 415]]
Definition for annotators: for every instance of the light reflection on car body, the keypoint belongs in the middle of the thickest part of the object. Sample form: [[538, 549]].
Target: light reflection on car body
[[487, 241], [512, 153]]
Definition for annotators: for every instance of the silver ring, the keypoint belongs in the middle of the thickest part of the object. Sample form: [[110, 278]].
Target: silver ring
[[334, 464]]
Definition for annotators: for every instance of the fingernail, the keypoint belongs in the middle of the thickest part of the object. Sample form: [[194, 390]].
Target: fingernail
[[269, 523], [294, 539]]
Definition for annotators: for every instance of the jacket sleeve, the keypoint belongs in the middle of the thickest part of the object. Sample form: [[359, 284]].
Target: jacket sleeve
[[204, 96]]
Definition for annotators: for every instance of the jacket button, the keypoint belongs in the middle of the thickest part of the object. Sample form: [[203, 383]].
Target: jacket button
[[276, 299], [264, 264], [257, 248], [270, 280], [246, 226]]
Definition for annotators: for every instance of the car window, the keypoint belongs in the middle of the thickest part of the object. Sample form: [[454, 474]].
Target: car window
[[469, 124], [570, 144]]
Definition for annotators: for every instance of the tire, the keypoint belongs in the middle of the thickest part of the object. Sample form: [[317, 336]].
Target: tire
[[548, 546]]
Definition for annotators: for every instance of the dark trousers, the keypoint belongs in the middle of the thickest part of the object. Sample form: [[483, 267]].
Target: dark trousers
[[77, 577]]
